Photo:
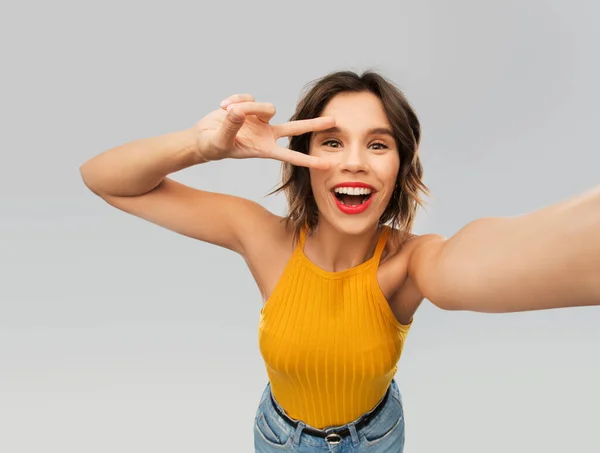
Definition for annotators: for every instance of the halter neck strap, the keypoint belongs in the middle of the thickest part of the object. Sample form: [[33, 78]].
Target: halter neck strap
[[383, 237]]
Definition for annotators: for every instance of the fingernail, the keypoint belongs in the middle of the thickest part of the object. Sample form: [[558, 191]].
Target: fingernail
[[225, 103]]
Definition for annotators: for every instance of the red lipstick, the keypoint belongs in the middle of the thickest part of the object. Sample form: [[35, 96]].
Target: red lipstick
[[354, 184], [353, 209]]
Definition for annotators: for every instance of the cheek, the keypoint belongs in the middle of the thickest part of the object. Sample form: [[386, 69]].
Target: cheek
[[317, 180], [387, 170]]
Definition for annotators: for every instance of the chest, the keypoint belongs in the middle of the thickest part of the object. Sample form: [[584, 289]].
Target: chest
[[339, 322]]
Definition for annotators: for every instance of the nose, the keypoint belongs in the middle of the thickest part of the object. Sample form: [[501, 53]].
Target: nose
[[353, 160]]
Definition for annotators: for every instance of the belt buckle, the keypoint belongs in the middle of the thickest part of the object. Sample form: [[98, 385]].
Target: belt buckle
[[333, 438]]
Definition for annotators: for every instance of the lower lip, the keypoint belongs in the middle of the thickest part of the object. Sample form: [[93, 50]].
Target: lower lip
[[346, 209]]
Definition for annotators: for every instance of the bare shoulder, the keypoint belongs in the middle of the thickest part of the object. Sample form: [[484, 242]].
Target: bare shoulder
[[401, 246], [417, 242], [267, 252], [401, 290]]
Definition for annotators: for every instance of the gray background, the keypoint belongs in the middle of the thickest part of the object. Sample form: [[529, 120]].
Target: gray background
[[117, 335]]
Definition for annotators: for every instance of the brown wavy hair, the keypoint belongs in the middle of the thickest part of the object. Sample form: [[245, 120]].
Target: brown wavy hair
[[405, 200]]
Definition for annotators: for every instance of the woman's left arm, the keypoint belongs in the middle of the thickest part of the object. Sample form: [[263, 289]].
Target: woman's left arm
[[549, 258]]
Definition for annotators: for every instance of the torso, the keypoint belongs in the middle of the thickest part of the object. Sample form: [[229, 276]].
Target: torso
[[268, 255]]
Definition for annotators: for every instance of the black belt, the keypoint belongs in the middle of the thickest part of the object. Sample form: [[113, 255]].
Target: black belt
[[333, 436]]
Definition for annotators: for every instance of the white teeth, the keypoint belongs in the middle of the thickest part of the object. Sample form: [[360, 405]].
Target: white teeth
[[352, 190]]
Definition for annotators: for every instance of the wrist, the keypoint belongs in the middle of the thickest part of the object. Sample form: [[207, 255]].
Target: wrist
[[192, 145]]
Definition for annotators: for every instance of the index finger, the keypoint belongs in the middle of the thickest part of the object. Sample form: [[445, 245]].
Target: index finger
[[299, 159], [299, 127]]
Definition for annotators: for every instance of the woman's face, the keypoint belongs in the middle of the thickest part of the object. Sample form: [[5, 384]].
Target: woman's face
[[361, 149]]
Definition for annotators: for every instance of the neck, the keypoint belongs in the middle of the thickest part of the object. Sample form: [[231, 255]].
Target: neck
[[336, 251]]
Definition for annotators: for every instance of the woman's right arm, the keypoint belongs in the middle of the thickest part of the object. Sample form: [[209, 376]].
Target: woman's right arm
[[133, 177]]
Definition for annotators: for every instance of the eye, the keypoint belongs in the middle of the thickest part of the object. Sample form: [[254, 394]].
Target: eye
[[330, 141], [381, 145]]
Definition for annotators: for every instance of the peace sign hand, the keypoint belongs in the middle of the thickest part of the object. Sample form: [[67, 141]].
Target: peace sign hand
[[241, 130]]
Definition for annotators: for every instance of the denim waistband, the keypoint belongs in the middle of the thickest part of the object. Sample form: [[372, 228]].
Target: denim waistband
[[390, 409]]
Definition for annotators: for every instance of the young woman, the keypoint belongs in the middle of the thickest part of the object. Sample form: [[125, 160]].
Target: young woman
[[341, 275]]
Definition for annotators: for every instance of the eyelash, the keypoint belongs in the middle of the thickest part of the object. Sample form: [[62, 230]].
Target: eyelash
[[335, 141]]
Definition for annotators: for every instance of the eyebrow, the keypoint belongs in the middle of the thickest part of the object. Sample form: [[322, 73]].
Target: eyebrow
[[373, 131]]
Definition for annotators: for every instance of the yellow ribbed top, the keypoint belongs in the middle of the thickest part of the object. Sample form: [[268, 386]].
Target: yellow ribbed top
[[330, 340]]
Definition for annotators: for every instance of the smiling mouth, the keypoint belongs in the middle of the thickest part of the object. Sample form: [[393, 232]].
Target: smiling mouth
[[352, 200]]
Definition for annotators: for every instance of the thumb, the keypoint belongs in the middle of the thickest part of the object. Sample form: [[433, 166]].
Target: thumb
[[233, 122]]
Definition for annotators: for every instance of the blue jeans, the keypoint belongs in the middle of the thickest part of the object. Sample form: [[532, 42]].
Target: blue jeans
[[384, 433]]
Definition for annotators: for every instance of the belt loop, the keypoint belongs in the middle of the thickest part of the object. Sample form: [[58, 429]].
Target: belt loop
[[354, 434], [297, 433]]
